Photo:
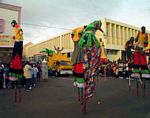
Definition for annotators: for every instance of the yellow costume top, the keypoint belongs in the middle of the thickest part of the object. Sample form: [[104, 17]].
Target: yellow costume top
[[148, 47], [18, 33], [142, 38]]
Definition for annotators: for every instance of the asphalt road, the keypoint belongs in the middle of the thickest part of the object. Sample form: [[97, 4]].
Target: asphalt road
[[57, 98]]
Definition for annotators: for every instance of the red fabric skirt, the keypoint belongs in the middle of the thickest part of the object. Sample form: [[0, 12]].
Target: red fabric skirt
[[140, 58], [78, 68]]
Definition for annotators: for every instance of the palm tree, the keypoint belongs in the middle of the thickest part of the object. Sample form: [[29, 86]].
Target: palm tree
[[47, 51]]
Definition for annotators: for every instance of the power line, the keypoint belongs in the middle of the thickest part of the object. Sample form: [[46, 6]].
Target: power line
[[37, 25]]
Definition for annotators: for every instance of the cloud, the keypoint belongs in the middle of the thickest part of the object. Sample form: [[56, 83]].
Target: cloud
[[68, 14]]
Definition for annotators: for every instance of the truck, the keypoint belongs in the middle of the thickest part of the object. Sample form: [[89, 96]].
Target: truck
[[59, 64]]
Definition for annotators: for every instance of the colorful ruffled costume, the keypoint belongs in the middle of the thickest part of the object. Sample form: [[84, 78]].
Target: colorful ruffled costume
[[16, 69], [77, 60], [140, 69], [91, 48], [86, 58]]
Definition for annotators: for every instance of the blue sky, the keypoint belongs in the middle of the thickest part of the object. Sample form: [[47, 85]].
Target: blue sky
[[69, 14]]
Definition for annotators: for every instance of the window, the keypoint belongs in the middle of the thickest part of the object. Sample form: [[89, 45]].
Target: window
[[111, 52], [2, 25], [68, 54]]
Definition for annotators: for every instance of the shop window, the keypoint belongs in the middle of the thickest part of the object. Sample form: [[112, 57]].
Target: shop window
[[111, 52], [2, 25], [68, 54]]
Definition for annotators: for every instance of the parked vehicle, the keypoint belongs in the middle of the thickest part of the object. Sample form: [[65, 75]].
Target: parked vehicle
[[59, 64]]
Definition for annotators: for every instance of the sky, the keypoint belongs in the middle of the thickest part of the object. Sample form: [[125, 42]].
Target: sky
[[59, 16]]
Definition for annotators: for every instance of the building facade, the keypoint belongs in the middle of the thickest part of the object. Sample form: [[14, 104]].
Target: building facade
[[118, 33], [7, 14]]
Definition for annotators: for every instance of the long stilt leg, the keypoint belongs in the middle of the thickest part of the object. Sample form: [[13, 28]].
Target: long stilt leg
[[15, 95], [15, 91], [144, 87], [19, 95], [129, 83], [81, 95], [78, 94], [84, 105], [105, 75], [137, 86]]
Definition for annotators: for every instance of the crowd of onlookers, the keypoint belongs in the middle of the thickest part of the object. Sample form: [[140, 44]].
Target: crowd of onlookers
[[31, 75], [117, 69]]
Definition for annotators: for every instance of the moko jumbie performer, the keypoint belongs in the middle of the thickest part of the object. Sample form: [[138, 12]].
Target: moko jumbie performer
[[16, 70], [91, 58], [16, 62], [77, 61], [129, 46], [141, 45]]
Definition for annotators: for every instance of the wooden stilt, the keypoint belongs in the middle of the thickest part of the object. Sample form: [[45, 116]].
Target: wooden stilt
[[15, 95], [19, 95], [129, 84], [84, 105], [105, 74], [144, 87], [81, 95], [137, 86], [78, 94]]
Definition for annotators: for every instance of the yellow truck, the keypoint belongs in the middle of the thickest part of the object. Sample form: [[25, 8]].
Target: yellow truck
[[59, 64]]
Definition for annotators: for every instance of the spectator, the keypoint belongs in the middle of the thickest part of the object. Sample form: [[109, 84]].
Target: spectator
[[120, 69], [126, 71], [35, 72], [6, 76], [28, 75], [1, 76], [39, 72]]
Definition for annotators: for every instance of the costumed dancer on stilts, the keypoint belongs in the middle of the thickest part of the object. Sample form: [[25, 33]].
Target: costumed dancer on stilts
[[91, 49], [148, 46], [77, 60], [129, 46], [103, 56], [140, 62], [16, 69]]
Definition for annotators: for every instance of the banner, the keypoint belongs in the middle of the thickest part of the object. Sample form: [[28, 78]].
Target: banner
[[6, 40]]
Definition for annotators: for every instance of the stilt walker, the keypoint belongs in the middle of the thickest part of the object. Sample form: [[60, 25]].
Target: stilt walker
[[91, 49], [103, 56], [140, 61], [16, 70], [128, 49], [77, 60]]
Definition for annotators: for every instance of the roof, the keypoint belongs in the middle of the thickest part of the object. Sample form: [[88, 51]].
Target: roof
[[10, 7]]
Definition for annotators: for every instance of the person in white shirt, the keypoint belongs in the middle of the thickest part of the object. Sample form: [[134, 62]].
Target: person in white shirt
[[28, 75]]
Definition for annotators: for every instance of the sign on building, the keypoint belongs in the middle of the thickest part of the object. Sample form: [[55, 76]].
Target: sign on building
[[6, 40]]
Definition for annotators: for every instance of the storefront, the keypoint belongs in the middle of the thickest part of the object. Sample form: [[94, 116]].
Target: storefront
[[7, 14]]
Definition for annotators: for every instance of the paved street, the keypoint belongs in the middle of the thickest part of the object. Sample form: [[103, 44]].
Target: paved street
[[56, 98]]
